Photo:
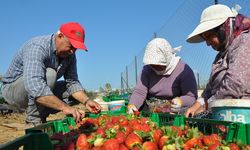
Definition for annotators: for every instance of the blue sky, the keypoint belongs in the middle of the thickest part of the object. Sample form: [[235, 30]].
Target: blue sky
[[116, 31]]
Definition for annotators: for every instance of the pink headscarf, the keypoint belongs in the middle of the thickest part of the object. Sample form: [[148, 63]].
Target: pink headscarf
[[241, 24]]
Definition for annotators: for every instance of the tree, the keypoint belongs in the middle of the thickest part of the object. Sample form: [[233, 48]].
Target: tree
[[108, 88]]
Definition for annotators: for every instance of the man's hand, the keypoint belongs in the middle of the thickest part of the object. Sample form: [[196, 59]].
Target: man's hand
[[192, 110], [176, 104], [77, 114], [93, 106], [131, 109]]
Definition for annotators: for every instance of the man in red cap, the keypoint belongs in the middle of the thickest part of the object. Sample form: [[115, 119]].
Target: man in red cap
[[31, 83]]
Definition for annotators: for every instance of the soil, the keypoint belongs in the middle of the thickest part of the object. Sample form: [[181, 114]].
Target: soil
[[12, 124]]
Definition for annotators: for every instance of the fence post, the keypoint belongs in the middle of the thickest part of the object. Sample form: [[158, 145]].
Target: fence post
[[135, 70]]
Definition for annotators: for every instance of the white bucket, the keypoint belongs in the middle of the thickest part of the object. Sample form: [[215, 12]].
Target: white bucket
[[116, 105], [235, 110]]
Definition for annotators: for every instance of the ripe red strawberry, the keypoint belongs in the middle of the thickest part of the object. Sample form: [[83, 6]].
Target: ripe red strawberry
[[82, 143], [210, 139], [137, 126], [214, 146], [101, 131], [162, 141], [111, 144], [234, 146], [137, 113], [97, 148], [178, 129], [144, 120], [123, 122], [191, 143], [132, 122], [132, 140], [149, 146], [157, 134], [120, 136], [127, 130], [123, 147], [145, 127]]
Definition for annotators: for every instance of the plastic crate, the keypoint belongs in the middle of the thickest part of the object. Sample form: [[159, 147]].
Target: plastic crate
[[161, 119], [57, 126], [231, 131], [35, 141], [109, 113]]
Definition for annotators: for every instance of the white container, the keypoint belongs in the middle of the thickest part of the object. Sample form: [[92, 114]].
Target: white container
[[235, 110], [116, 105], [104, 105]]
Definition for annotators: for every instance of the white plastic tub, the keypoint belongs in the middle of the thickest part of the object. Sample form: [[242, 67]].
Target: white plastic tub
[[236, 110], [116, 105]]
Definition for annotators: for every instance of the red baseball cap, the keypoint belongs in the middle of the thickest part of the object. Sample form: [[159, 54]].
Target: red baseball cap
[[75, 33]]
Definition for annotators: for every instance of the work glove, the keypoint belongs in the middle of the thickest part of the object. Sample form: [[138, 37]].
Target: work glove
[[176, 104], [131, 109]]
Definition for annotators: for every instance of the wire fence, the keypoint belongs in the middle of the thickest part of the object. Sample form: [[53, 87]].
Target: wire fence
[[198, 56]]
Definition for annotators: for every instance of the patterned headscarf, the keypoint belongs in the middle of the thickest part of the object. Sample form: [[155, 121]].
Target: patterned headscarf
[[241, 24], [159, 52]]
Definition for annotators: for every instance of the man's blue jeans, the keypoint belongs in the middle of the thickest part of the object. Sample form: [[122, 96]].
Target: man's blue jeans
[[16, 95]]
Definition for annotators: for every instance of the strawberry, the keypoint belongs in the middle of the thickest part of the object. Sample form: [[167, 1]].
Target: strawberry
[[123, 122], [191, 143], [97, 148], [132, 140], [149, 146], [82, 143], [234, 146], [210, 139], [162, 141], [123, 147], [120, 136], [111, 144], [178, 129], [156, 134], [214, 146], [137, 113], [101, 131], [127, 130]]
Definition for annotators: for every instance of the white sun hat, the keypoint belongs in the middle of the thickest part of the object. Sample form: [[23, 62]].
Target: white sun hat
[[211, 17]]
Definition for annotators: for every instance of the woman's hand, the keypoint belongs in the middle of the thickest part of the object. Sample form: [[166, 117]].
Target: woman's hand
[[176, 104], [93, 106], [131, 109], [193, 110]]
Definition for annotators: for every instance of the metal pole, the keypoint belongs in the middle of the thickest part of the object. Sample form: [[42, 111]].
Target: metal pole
[[121, 85], [155, 35], [127, 77], [135, 69], [215, 2], [198, 80]]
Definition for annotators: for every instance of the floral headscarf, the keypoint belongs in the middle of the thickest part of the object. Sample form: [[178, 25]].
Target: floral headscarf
[[160, 52]]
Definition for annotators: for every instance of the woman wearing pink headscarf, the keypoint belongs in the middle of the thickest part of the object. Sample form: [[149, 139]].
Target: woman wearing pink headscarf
[[227, 32]]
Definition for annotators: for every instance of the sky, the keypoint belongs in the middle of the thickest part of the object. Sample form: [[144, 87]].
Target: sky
[[116, 31]]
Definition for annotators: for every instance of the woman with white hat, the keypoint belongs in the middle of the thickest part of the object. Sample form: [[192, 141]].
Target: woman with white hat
[[227, 32], [164, 78]]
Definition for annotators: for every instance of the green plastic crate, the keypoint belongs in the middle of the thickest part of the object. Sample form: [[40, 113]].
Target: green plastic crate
[[122, 111], [57, 126], [34, 141], [232, 131], [161, 119]]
